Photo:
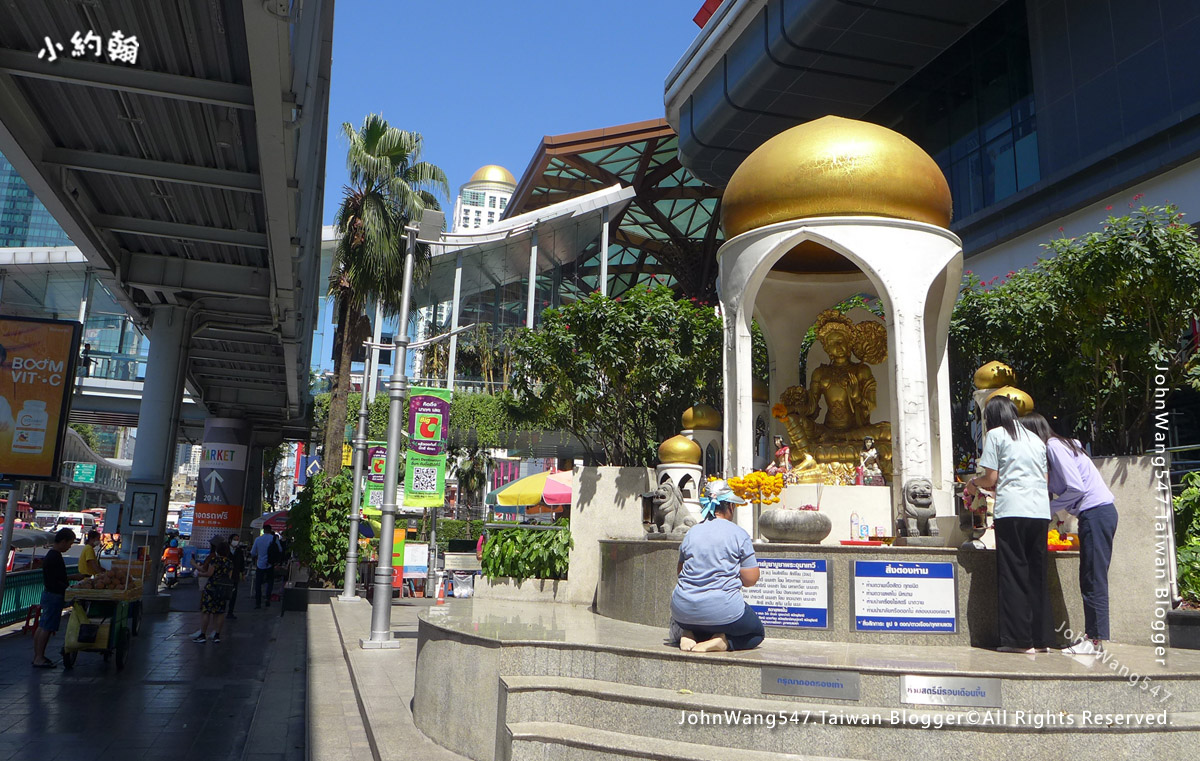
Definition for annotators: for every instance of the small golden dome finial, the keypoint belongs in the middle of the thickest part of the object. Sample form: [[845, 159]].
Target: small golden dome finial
[[994, 374], [761, 393], [834, 166], [1023, 400], [701, 417], [679, 449]]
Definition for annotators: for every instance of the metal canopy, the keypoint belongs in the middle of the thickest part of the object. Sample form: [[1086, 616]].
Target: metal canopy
[[191, 177], [499, 254], [762, 66], [668, 234]]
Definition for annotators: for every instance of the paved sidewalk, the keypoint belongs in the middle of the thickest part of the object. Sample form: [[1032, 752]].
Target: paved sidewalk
[[241, 700], [384, 681]]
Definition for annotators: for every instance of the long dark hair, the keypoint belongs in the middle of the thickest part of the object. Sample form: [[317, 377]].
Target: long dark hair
[[1039, 426], [1000, 412]]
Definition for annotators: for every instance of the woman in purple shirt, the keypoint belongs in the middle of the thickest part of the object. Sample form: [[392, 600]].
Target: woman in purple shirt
[[1081, 491]]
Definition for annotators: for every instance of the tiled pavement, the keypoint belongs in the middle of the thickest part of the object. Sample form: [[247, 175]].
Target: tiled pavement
[[243, 699]]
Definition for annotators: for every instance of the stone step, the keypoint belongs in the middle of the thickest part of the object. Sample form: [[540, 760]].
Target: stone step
[[546, 741], [1030, 682], [941, 734]]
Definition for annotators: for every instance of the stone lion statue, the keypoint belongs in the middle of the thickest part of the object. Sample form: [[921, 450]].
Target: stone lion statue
[[918, 518], [671, 516]]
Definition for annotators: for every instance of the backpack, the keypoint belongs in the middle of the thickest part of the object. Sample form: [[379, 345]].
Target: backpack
[[274, 552]]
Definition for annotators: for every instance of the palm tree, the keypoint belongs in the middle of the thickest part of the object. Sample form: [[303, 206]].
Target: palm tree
[[389, 185], [471, 465]]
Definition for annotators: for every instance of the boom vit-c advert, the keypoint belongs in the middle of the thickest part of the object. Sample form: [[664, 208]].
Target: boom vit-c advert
[[37, 370]]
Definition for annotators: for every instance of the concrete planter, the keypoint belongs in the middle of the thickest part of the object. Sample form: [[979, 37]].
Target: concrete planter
[[798, 526], [528, 590], [1183, 627]]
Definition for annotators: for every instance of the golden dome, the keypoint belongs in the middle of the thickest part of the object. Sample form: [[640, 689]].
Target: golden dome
[[760, 393], [702, 417], [994, 375], [679, 448], [835, 166], [493, 173], [1023, 400]]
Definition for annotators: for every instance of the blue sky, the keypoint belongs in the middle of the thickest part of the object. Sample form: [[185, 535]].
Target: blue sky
[[484, 81]]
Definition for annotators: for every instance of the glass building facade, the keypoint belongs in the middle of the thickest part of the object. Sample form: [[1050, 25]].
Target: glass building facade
[[972, 109], [23, 220]]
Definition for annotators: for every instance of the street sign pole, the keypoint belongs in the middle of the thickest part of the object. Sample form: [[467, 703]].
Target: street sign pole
[[349, 589]]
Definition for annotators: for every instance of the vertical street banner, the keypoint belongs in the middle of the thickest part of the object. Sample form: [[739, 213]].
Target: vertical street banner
[[376, 463], [221, 488], [37, 372], [425, 464]]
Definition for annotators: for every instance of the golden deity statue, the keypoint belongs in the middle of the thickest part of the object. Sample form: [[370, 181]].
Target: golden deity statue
[[828, 450]]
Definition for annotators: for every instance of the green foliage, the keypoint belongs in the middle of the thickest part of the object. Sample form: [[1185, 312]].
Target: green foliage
[[87, 433], [449, 528], [618, 373], [1102, 318], [319, 525], [758, 353], [528, 553], [470, 466], [1187, 537]]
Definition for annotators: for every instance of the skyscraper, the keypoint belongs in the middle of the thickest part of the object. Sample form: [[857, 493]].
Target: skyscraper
[[24, 221]]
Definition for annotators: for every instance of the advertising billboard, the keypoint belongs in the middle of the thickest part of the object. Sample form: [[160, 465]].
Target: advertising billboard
[[425, 464], [37, 372]]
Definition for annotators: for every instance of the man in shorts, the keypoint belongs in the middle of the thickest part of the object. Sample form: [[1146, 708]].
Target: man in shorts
[[55, 580]]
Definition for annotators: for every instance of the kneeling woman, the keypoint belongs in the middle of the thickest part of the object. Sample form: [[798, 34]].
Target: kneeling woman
[[716, 559]]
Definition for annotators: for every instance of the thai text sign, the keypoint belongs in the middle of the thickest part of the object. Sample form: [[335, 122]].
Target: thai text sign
[[85, 473], [904, 597], [220, 488], [950, 691], [791, 592], [425, 463], [810, 683], [37, 367]]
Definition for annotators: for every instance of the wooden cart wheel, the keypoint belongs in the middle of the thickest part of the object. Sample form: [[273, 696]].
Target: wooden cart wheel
[[122, 648], [68, 658]]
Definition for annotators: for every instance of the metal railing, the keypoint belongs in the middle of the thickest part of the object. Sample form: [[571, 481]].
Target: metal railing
[[23, 590]]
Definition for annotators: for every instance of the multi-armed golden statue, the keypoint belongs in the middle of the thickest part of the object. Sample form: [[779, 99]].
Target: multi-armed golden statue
[[829, 450]]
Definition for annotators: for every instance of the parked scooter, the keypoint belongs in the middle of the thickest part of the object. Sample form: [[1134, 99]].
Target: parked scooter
[[171, 558]]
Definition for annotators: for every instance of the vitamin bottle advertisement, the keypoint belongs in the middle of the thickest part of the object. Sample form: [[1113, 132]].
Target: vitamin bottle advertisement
[[37, 372]]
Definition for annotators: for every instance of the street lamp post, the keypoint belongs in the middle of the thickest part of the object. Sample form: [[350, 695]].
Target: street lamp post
[[381, 604], [360, 450]]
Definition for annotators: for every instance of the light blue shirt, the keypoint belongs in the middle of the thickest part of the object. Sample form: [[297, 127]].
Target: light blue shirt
[[260, 551], [709, 592], [1021, 491]]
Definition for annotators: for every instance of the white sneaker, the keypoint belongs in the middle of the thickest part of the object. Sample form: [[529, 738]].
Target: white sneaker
[[197, 633], [1084, 647], [199, 639]]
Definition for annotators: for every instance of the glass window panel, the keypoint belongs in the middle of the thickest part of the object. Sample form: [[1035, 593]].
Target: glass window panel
[[999, 170]]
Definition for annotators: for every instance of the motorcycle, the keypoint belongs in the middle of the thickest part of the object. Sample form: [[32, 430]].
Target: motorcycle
[[170, 574]]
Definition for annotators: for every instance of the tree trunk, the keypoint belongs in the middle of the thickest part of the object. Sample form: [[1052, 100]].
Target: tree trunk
[[335, 424]]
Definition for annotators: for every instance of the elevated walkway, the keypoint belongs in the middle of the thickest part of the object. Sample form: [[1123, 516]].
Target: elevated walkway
[[551, 681]]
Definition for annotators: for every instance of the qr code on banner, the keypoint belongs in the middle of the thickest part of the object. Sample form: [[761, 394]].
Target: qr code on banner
[[424, 479], [375, 498]]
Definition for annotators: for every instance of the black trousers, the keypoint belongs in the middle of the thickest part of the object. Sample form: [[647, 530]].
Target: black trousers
[[1023, 600]]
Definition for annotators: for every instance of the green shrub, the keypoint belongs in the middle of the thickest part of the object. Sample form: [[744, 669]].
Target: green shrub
[[523, 553], [319, 525], [1187, 538]]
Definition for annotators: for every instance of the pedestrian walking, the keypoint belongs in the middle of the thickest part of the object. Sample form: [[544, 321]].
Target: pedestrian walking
[[238, 552], [54, 590], [266, 553], [218, 568]]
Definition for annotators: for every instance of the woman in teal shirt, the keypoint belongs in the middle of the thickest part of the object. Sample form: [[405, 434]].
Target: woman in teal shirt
[[1014, 464]]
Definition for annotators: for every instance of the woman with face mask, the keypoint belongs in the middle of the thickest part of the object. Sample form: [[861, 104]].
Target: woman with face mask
[[238, 551]]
